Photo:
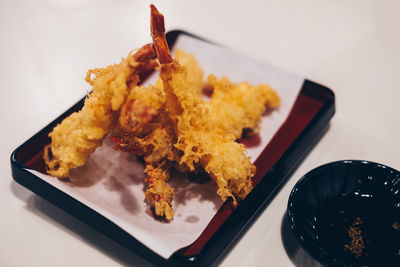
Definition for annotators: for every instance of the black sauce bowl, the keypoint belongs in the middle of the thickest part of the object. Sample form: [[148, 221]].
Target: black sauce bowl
[[327, 182]]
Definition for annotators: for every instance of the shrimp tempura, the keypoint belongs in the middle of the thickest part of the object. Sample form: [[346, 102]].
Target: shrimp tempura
[[203, 145], [235, 107], [77, 137]]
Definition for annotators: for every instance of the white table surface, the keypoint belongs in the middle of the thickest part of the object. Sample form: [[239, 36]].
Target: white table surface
[[46, 47]]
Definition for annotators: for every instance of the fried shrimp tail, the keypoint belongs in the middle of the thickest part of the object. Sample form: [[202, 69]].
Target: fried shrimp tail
[[77, 136], [157, 28]]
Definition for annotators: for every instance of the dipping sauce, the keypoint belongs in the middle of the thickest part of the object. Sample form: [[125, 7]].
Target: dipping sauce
[[361, 230]]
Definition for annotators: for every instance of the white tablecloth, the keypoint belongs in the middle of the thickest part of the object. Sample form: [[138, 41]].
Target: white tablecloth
[[352, 47]]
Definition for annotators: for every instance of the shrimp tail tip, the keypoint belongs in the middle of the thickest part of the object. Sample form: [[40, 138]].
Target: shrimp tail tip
[[157, 21]]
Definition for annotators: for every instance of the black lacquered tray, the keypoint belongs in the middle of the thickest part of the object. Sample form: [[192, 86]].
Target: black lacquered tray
[[307, 121]]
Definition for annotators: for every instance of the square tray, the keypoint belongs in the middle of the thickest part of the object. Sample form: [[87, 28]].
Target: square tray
[[306, 123]]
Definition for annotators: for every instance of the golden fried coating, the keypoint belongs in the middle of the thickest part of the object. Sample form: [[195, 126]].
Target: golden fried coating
[[195, 74], [143, 103], [139, 110], [82, 132], [158, 151], [203, 145], [158, 192], [235, 107]]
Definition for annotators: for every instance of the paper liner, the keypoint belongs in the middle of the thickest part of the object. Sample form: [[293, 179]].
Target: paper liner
[[112, 183]]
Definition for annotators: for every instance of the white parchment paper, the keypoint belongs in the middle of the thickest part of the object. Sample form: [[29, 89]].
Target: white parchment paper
[[111, 182]]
